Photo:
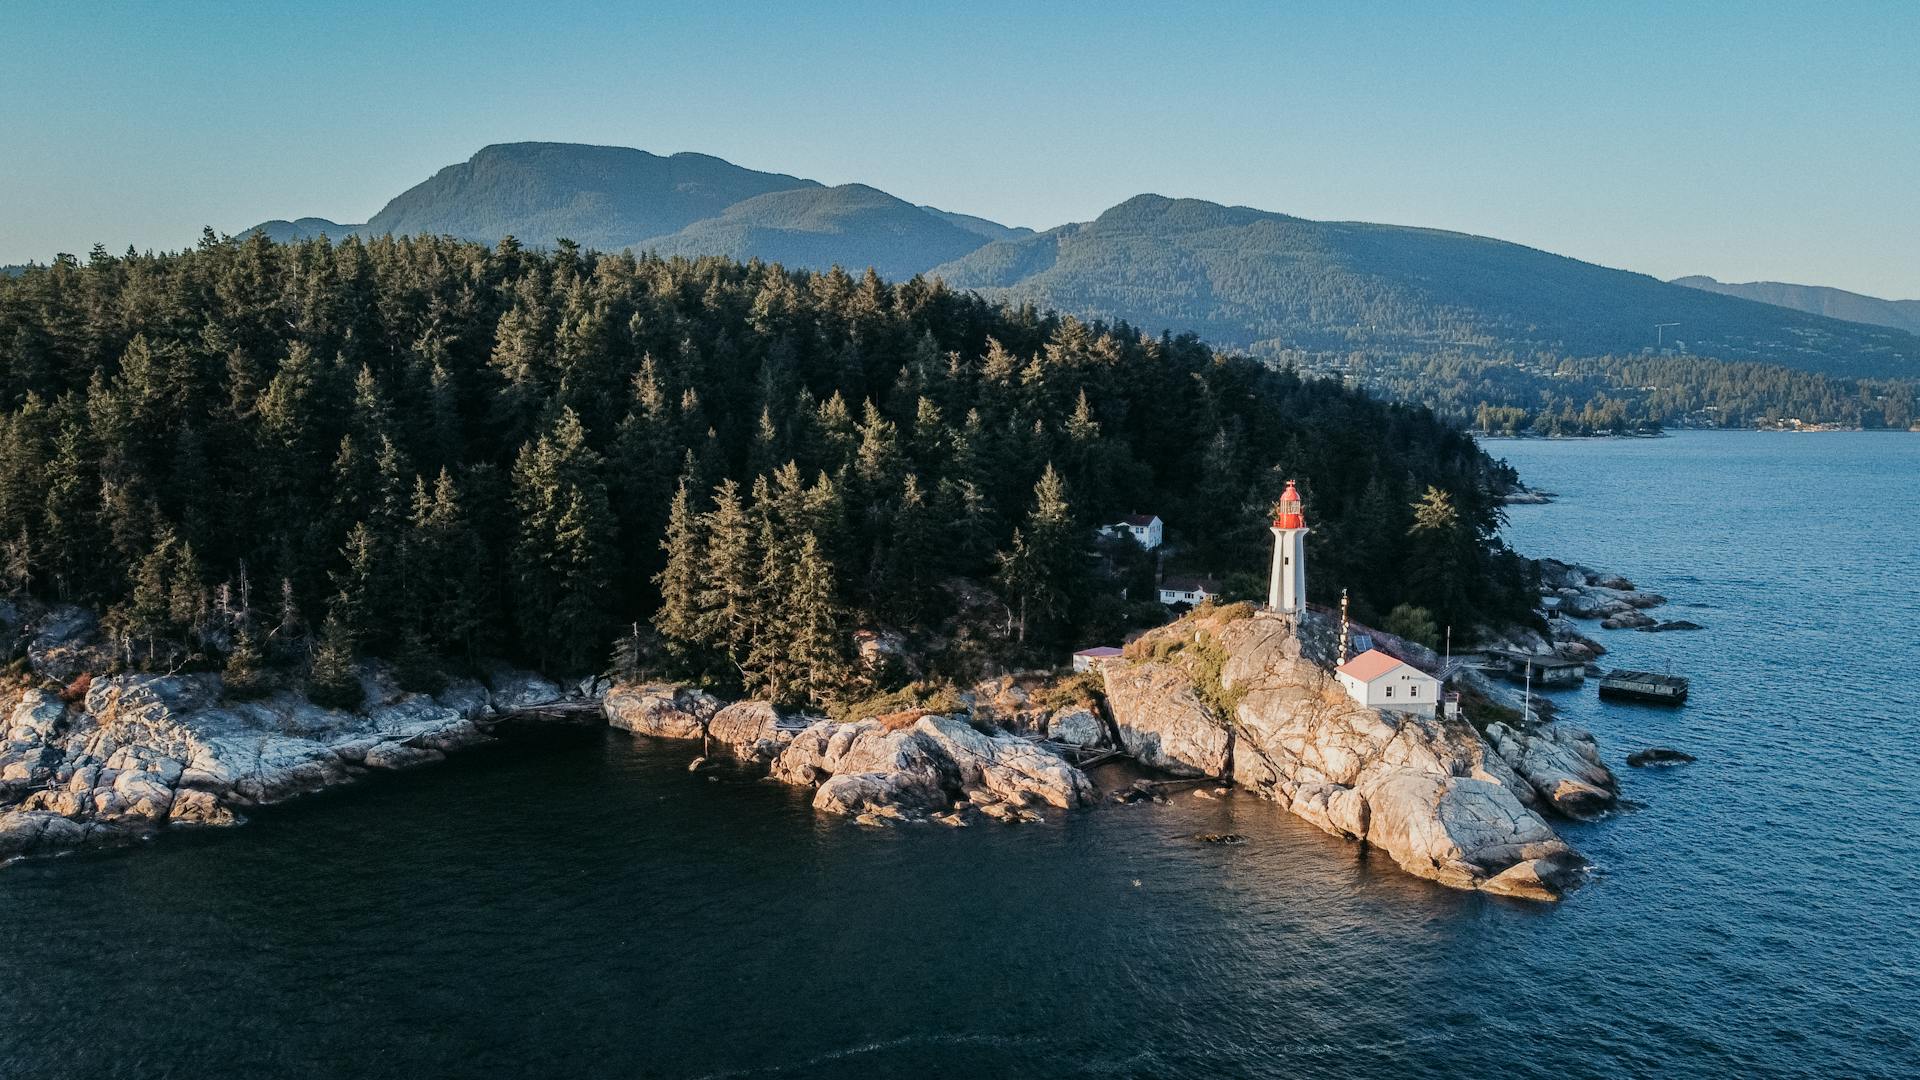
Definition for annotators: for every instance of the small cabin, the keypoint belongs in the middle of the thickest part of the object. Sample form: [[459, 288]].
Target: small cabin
[[1143, 529], [1098, 656], [1188, 591], [1380, 681]]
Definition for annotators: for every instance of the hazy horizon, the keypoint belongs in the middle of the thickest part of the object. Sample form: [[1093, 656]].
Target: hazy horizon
[[1745, 145]]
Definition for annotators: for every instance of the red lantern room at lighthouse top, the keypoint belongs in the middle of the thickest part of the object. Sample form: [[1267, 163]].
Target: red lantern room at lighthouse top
[[1286, 514]]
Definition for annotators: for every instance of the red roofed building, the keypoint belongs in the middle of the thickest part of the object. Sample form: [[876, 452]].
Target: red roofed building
[[1380, 681]]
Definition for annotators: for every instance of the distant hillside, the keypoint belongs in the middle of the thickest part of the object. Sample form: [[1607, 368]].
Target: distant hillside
[[611, 197], [992, 230], [1252, 279], [282, 231], [853, 225], [605, 197], [1819, 300], [1238, 277]]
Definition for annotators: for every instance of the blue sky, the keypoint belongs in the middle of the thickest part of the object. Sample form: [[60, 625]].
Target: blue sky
[[1743, 140]]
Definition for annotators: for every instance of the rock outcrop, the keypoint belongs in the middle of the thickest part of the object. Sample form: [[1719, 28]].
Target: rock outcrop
[[937, 763], [141, 752], [1561, 763], [662, 710], [1076, 727], [910, 765], [1658, 756], [1585, 593], [1250, 698], [753, 732], [1163, 723]]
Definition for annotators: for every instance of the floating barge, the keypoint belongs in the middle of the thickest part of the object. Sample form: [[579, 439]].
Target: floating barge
[[1643, 686]]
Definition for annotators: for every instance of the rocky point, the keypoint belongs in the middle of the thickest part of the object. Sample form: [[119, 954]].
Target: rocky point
[[1249, 697]]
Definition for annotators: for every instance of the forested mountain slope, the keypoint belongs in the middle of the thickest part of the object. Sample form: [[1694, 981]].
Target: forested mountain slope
[[852, 225], [606, 197], [1817, 300], [1252, 279], [1239, 277], [282, 231]]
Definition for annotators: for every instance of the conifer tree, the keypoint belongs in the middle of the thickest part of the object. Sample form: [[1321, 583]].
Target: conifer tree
[[679, 617], [332, 680], [812, 665], [1041, 569], [912, 556], [561, 560], [730, 585], [245, 675], [355, 605]]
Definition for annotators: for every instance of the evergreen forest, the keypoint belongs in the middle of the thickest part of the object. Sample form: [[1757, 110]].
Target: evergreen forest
[[275, 459]]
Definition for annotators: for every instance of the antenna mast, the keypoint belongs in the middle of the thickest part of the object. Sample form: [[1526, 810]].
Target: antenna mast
[[1345, 638]]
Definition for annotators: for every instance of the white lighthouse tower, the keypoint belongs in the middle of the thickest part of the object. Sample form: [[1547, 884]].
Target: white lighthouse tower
[[1287, 590]]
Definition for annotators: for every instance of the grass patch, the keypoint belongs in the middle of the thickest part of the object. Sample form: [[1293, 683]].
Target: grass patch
[[1079, 690], [913, 700]]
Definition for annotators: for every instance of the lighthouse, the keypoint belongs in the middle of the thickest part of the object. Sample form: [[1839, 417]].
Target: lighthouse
[[1287, 590]]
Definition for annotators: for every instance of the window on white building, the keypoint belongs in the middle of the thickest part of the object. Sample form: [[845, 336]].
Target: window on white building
[[1389, 691]]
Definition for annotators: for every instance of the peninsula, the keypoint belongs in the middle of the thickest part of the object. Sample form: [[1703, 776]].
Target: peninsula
[[277, 514]]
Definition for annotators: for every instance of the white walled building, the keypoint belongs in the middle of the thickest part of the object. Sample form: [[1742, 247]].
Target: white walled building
[[1189, 591], [1144, 529], [1098, 656], [1379, 681]]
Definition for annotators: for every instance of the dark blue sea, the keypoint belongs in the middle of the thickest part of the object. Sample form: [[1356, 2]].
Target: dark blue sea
[[584, 907]]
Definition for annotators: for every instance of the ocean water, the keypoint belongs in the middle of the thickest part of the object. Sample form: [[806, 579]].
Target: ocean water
[[585, 907]]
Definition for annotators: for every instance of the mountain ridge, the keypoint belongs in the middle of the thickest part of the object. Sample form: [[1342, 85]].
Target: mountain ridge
[[1267, 282], [1824, 300]]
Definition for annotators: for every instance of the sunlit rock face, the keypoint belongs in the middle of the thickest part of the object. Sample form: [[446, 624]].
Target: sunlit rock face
[[1249, 697], [932, 765], [140, 752]]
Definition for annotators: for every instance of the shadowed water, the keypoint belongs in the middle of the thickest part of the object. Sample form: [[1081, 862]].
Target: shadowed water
[[586, 907]]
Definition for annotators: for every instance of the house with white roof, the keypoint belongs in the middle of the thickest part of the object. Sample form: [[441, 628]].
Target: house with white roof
[[1143, 529], [1380, 681]]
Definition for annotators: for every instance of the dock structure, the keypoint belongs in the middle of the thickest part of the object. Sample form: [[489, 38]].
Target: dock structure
[[1648, 686], [1548, 669]]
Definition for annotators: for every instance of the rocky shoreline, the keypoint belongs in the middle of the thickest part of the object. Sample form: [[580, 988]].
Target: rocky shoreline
[[1224, 695], [909, 765], [1248, 697], [1581, 592], [119, 758]]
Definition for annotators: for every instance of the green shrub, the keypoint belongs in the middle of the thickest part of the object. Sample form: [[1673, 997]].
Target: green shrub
[[1414, 624]]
